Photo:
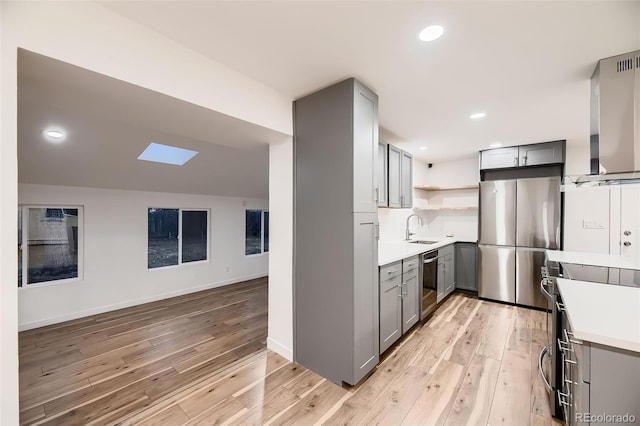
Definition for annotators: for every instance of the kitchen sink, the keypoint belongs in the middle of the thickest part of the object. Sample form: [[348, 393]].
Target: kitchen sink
[[423, 242]]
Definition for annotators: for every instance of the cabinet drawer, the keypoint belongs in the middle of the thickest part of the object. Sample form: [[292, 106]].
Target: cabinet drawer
[[390, 270], [409, 264]]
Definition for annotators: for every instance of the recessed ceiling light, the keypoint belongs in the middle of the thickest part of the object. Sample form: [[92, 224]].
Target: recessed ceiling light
[[423, 148], [166, 154], [432, 32], [54, 135], [477, 115], [495, 145]]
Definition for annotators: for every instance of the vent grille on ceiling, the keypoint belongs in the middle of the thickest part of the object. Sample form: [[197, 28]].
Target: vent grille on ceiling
[[624, 65]]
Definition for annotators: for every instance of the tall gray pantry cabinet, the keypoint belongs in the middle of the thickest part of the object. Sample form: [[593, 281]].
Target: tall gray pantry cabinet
[[336, 232]]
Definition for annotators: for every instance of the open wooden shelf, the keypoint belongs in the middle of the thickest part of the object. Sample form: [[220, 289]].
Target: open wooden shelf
[[445, 188]]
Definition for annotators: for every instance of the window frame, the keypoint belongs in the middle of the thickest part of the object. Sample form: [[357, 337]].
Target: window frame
[[180, 262], [25, 244], [262, 251]]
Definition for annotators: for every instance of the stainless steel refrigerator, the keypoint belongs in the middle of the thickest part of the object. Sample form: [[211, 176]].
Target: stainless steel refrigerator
[[519, 220]]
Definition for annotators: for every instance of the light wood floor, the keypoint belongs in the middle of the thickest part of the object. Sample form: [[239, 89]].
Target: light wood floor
[[202, 359]]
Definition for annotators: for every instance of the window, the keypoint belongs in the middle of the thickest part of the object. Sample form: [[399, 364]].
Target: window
[[168, 247], [256, 232], [49, 244]]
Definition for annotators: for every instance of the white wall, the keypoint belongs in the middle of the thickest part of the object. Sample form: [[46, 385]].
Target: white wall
[[462, 224], [87, 35], [115, 252], [281, 245]]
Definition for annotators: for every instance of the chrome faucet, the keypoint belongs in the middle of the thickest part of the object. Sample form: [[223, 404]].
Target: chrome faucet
[[409, 233]]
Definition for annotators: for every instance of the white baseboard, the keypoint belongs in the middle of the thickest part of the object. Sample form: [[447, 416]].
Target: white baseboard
[[280, 349], [129, 303]]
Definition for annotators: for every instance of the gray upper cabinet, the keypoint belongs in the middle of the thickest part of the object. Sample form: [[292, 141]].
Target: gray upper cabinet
[[365, 145], [466, 260], [536, 154], [382, 175], [499, 158], [336, 306], [400, 178], [406, 181], [395, 176], [541, 153]]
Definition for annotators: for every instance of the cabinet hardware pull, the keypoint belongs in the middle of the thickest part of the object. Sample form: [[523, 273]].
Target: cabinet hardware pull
[[392, 271], [561, 400], [627, 233], [543, 352], [627, 243], [544, 289], [568, 335]]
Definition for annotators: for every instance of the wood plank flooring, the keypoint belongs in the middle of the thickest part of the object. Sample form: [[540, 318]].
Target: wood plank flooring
[[201, 359]]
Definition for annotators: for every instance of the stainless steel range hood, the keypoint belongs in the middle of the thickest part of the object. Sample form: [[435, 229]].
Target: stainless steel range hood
[[615, 120]]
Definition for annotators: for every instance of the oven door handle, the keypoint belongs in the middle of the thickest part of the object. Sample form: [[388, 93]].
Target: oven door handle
[[431, 260], [544, 290], [543, 353]]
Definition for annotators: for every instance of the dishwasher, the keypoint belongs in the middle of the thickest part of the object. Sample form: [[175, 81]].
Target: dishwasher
[[429, 283]]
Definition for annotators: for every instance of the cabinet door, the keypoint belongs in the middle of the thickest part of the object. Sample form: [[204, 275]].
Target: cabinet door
[[395, 161], [441, 281], [449, 272], [465, 264], [410, 301], [365, 140], [406, 184], [541, 153], [499, 158], [390, 312], [365, 295], [382, 175]]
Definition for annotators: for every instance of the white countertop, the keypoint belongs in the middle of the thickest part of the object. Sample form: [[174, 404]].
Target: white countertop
[[603, 313], [593, 259], [391, 251]]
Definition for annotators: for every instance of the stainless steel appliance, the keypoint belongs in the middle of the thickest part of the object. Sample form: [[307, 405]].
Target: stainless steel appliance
[[549, 359], [429, 282], [519, 220]]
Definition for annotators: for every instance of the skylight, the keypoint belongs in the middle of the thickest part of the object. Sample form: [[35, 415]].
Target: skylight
[[166, 154]]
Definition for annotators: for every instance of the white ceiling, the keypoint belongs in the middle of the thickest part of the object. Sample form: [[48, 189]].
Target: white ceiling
[[526, 64], [110, 123]]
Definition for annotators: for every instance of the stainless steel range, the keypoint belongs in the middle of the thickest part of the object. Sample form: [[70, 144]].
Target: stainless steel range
[[548, 360]]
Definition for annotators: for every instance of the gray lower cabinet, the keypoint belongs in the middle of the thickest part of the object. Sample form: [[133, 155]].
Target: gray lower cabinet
[[335, 233], [399, 299], [390, 304], [597, 380], [466, 260], [446, 273]]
